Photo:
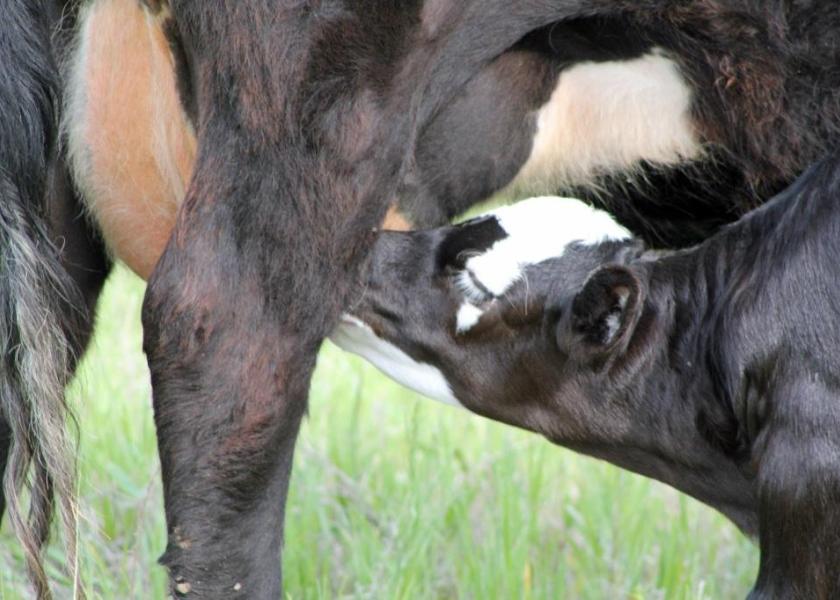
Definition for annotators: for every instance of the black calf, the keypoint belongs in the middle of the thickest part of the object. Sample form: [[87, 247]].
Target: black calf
[[709, 369]]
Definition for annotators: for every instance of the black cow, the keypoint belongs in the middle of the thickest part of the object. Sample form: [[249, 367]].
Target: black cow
[[295, 125]]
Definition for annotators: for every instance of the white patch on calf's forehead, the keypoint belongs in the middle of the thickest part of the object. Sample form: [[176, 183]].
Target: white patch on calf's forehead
[[539, 229], [558, 221], [354, 335]]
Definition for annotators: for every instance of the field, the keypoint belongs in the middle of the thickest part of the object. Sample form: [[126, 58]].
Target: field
[[392, 496]]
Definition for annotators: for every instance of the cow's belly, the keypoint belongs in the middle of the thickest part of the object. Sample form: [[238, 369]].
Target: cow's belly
[[131, 146]]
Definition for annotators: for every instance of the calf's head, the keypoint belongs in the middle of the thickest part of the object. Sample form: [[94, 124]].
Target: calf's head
[[515, 315]]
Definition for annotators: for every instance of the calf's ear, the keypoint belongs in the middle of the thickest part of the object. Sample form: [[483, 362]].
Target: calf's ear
[[605, 311]]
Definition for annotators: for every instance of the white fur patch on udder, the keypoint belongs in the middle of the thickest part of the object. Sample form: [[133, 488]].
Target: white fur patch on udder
[[537, 229], [607, 117], [353, 335]]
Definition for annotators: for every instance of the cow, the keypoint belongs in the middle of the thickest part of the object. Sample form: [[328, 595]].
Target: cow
[[254, 149]]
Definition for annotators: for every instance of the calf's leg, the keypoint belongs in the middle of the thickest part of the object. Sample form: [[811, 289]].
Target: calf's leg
[[799, 493]]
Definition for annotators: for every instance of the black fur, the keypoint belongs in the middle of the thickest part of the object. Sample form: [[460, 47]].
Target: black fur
[[708, 369], [476, 236]]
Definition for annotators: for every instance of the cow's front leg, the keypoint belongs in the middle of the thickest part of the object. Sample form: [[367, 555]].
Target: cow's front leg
[[290, 184], [293, 175], [233, 318]]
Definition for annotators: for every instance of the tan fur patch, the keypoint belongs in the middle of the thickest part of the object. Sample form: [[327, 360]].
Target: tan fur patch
[[131, 146], [395, 221]]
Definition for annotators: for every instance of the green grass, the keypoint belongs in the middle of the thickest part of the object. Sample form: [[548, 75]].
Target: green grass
[[392, 496]]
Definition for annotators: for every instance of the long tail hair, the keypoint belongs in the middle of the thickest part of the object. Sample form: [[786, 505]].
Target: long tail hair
[[38, 299]]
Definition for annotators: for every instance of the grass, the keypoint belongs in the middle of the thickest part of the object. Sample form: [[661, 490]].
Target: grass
[[392, 496]]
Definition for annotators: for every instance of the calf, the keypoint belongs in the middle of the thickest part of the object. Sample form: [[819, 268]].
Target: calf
[[707, 369]]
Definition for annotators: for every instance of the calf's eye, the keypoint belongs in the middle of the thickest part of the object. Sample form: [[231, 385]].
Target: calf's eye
[[472, 288]]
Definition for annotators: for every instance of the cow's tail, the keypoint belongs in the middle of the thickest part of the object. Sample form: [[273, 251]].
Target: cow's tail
[[38, 300]]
